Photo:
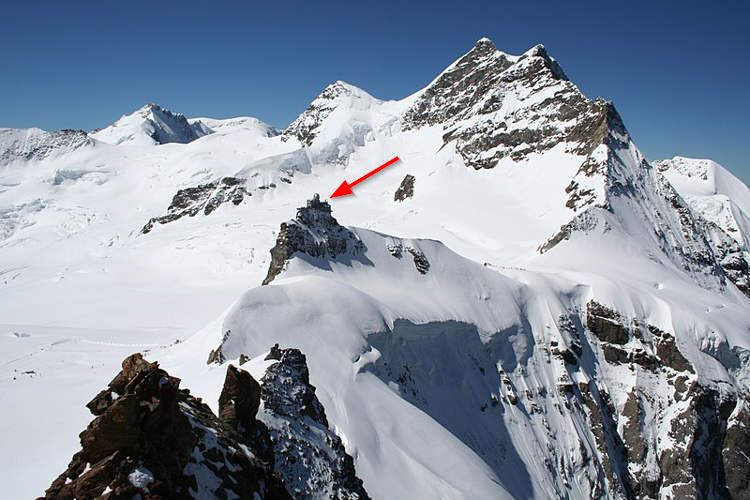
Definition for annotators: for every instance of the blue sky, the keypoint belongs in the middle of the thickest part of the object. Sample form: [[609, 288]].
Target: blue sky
[[678, 72]]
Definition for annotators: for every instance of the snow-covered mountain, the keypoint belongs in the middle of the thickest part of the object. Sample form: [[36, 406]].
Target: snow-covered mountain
[[152, 124], [712, 192], [523, 306]]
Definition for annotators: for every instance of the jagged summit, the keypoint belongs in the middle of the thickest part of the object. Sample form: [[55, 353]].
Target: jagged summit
[[152, 439], [152, 124], [494, 106]]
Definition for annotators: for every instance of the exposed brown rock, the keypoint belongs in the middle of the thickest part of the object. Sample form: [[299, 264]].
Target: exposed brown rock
[[606, 324], [154, 440], [666, 350]]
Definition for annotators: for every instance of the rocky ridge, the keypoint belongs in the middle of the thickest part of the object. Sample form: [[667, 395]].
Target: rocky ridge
[[493, 105], [205, 198], [149, 438], [313, 232], [309, 457], [153, 439]]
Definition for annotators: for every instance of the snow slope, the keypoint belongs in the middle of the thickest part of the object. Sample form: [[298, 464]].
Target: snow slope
[[713, 192], [471, 348]]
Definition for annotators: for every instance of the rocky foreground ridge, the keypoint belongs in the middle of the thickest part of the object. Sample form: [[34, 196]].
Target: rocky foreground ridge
[[151, 439]]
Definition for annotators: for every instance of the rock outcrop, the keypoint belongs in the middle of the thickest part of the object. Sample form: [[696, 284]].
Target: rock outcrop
[[313, 232], [405, 189], [151, 439], [204, 198], [308, 456]]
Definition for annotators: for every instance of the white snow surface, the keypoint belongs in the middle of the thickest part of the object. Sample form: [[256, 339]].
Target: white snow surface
[[713, 192], [81, 288]]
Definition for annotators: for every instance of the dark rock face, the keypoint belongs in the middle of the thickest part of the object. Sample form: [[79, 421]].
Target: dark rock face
[[179, 129], [666, 349], [606, 324], [736, 451], [731, 257], [240, 398], [406, 189], [308, 456], [602, 418], [204, 198], [420, 261], [154, 440], [707, 427], [313, 232]]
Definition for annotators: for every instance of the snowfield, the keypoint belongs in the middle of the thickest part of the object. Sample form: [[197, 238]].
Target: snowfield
[[459, 353]]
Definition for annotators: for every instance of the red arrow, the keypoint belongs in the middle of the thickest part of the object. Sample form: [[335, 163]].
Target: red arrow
[[346, 187]]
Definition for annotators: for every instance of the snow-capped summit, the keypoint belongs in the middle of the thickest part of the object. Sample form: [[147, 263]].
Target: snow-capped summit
[[340, 119], [335, 96], [493, 105], [150, 125]]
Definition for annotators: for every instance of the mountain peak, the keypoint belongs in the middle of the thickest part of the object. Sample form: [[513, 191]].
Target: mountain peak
[[340, 88], [152, 124], [485, 42], [471, 94], [337, 95]]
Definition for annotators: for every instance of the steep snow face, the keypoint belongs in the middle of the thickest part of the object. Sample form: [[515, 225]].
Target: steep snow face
[[458, 380], [150, 125], [34, 144], [722, 203], [639, 205], [713, 193], [341, 119]]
